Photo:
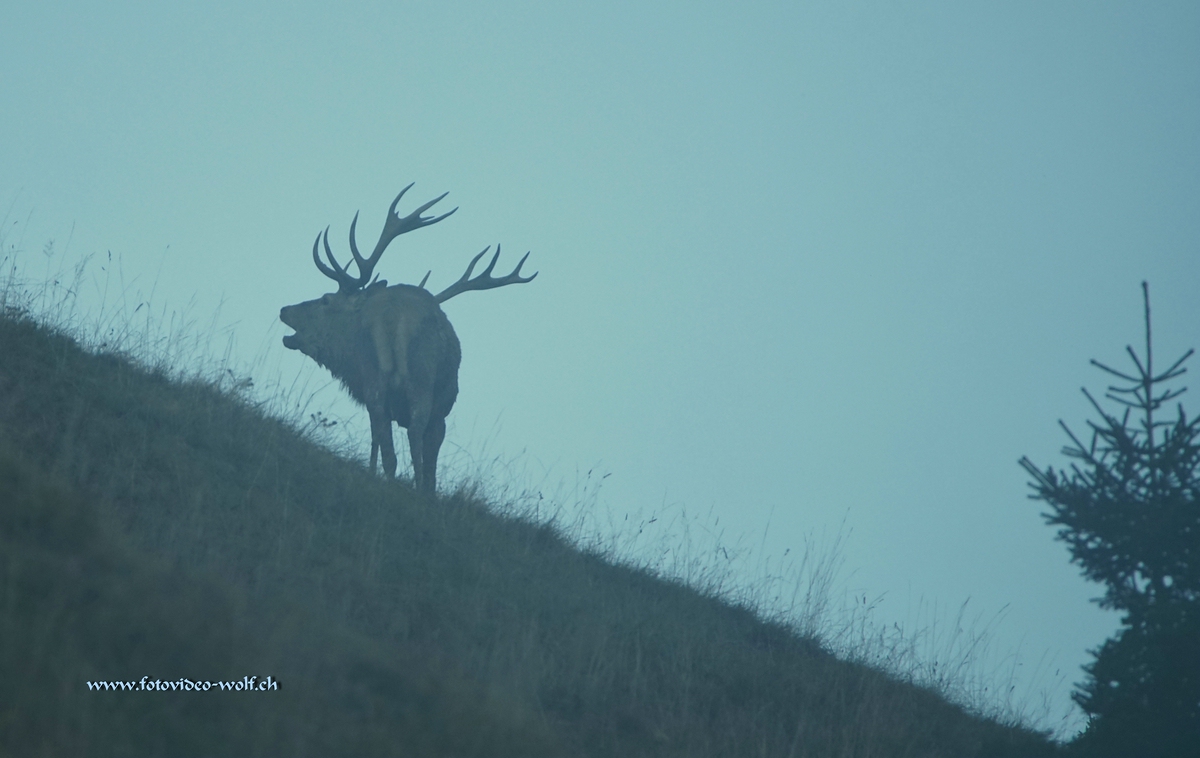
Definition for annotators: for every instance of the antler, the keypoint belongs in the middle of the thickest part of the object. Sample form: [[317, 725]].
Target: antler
[[485, 281], [392, 228]]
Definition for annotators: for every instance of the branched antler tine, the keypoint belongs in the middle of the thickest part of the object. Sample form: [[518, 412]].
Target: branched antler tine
[[366, 266], [464, 281], [487, 272], [397, 200], [358, 259], [471, 266], [389, 233], [485, 280], [329, 255], [428, 205], [398, 225], [393, 228], [439, 218], [513, 278], [427, 273], [516, 273], [414, 221], [346, 283], [337, 273], [317, 258]]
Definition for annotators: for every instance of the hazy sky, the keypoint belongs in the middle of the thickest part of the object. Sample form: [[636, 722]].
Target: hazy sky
[[797, 260]]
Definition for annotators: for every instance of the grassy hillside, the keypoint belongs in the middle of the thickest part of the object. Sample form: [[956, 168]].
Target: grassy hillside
[[150, 528]]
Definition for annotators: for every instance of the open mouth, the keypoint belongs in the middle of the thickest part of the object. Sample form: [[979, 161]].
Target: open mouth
[[290, 341]]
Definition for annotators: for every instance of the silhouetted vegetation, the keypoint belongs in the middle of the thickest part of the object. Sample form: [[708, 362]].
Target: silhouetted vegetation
[[1130, 513], [167, 529]]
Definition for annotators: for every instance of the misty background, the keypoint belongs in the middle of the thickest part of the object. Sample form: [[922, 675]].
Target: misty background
[[800, 263]]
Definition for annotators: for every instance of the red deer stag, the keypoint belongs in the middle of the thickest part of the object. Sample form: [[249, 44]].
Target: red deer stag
[[392, 348]]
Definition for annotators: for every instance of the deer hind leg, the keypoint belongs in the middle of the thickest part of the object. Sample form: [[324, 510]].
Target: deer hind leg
[[435, 432], [416, 443], [381, 441]]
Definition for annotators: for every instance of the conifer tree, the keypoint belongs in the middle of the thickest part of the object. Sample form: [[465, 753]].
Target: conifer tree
[[1128, 508]]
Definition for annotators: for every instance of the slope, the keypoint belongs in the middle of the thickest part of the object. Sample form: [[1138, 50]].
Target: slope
[[165, 529]]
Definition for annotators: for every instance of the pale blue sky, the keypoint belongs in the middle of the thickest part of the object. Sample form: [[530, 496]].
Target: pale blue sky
[[796, 259]]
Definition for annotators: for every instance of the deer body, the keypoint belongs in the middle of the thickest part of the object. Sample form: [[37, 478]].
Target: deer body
[[392, 348], [395, 352]]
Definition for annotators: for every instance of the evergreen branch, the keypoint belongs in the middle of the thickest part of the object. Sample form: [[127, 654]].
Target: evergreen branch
[[1170, 373], [1079, 451], [1111, 421], [1125, 390], [1045, 480], [1169, 395], [1126, 403], [1114, 372], [1145, 372]]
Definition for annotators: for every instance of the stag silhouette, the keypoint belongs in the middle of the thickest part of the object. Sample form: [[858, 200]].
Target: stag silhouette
[[392, 348]]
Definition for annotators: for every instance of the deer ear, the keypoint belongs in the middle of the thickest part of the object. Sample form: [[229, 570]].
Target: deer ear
[[378, 283]]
